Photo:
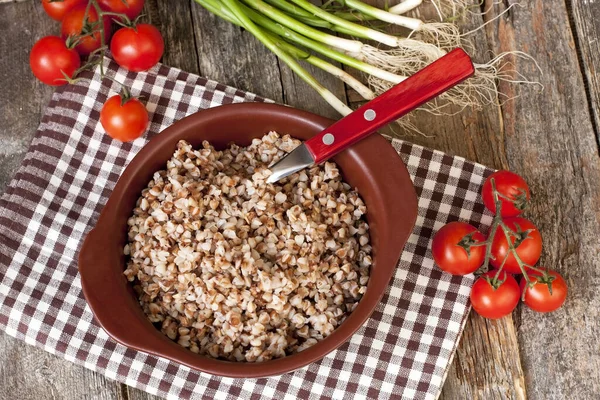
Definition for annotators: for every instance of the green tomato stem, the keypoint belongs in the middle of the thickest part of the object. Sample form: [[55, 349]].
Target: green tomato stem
[[96, 57], [488, 246], [101, 25], [507, 232]]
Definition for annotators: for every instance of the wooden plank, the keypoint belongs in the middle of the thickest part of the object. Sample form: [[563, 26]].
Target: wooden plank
[[137, 394], [299, 94], [549, 139], [586, 19], [230, 55], [174, 20], [487, 363], [27, 372], [524, 137], [23, 97]]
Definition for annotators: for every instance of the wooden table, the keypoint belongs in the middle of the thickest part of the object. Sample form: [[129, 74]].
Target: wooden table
[[551, 137]]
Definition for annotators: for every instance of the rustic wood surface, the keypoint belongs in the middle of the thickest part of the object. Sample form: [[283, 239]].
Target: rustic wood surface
[[549, 136]]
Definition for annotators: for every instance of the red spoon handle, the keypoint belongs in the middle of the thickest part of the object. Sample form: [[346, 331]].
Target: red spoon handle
[[409, 94]]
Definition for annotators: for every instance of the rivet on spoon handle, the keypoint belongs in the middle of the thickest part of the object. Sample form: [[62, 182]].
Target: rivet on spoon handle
[[409, 94]]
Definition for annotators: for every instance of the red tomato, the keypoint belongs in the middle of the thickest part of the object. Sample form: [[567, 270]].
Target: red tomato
[[124, 120], [453, 249], [508, 184], [75, 24], [57, 9], [495, 302], [538, 297], [528, 244], [50, 57], [131, 8], [137, 49]]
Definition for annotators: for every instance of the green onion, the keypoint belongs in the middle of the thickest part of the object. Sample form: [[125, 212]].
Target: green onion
[[293, 36], [349, 26], [407, 22], [247, 24], [345, 77], [299, 31], [285, 20], [405, 6]]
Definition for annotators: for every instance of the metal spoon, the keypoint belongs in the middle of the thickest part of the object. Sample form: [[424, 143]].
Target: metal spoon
[[409, 94]]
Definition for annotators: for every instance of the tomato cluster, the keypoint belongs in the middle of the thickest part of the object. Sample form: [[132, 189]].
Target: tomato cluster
[[85, 33], [514, 246]]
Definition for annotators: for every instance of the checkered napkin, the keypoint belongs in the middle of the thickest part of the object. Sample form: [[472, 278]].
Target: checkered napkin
[[403, 351]]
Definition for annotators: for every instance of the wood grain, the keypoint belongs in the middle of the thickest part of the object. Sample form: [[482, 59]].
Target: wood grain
[[174, 20], [23, 97], [486, 364], [27, 372], [586, 21], [297, 93], [550, 140], [230, 55], [481, 369]]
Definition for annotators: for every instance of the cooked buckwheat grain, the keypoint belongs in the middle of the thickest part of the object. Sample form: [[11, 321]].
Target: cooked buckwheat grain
[[234, 268]]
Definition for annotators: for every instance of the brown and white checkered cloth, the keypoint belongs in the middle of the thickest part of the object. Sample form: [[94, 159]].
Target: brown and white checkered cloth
[[403, 351]]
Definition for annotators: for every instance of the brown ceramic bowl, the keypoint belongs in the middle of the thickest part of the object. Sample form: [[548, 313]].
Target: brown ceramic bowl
[[372, 166]]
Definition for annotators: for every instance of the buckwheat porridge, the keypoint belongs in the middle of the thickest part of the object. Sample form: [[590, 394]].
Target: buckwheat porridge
[[234, 268]]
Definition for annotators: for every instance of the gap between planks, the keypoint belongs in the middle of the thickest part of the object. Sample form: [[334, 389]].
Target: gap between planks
[[594, 117]]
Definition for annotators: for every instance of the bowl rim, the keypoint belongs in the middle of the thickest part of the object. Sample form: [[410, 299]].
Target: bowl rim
[[91, 255]]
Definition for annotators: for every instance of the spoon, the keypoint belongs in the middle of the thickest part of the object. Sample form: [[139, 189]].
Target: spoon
[[427, 83]]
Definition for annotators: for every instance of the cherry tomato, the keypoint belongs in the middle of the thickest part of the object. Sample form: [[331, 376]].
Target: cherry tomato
[[453, 249], [528, 244], [538, 297], [57, 9], [137, 49], [495, 299], [509, 185], [124, 118], [50, 57], [131, 8], [75, 23]]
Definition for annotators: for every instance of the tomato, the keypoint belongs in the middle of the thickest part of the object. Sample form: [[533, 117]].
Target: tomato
[[513, 191], [538, 297], [50, 57], [57, 9], [131, 8], [528, 244], [124, 118], [495, 299], [453, 249], [75, 23], [137, 49]]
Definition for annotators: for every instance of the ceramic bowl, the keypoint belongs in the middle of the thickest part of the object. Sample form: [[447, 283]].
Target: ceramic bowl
[[371, 165]]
